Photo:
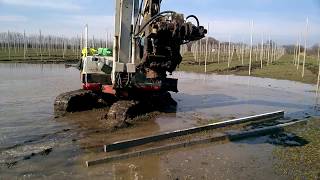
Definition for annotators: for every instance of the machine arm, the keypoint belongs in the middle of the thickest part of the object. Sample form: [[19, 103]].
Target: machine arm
[[156, 39]]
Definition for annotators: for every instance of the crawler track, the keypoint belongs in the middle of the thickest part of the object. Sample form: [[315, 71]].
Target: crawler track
[[119, 113], [74, 101], [122, 112]]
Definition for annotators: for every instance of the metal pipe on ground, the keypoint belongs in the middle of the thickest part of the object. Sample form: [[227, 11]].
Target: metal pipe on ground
[[144, 140], [227, 136]]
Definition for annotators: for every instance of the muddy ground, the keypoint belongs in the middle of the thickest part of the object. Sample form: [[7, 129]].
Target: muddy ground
[[35, 145]]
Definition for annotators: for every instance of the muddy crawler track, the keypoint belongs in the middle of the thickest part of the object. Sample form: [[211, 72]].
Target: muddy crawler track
[[119, 113], [122, 113], [73, 101]]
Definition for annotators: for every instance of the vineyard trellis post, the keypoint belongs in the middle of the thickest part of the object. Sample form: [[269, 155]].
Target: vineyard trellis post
[[268, 51], [219, 48], [40, 44], [63, 48], [318, 59], [295, 54], [251, 42], [81, 44], [261, 52], [229, 51], [49, 46], [206, 51], [107, 39], [305, 46], [299, 50], [86, 39], [24, 45], [199, 51], [242, 51], [9, 46]]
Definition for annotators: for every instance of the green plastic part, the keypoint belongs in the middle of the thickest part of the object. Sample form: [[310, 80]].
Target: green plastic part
[[106, 52], [100, 51]]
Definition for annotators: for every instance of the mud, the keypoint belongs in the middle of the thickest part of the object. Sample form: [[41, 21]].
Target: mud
[[287, 139], [235, 69], [58, 147], [75, 101]]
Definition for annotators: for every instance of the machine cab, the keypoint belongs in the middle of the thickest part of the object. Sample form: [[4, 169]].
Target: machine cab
[[96, 71]]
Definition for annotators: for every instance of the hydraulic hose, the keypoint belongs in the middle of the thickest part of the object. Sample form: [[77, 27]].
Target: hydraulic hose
[[195, 17], [155, 17]]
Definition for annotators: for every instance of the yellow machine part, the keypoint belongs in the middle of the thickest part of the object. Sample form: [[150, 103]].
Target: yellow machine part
[[91, 52]]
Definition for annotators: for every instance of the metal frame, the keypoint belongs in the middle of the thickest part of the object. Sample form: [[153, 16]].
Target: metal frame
[[124, 51]]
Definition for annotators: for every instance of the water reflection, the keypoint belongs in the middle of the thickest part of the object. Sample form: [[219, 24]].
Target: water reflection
[[26, 119]]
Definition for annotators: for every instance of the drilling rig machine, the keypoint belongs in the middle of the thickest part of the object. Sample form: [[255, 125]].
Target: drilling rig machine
[[146, 47]]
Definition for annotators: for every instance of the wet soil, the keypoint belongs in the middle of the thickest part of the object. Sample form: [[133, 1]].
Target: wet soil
[[300, 158], [35, 145], [231, 70]]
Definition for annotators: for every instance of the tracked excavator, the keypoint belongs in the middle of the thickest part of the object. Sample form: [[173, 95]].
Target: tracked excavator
[[135, 79]]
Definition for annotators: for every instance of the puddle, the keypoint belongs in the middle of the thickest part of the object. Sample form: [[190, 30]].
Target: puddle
[[61, 146]]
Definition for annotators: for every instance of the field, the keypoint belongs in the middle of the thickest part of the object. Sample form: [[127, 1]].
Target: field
[[33, 55], [31, 48], [282, 68]]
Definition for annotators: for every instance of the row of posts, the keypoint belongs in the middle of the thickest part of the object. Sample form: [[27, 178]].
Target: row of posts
[[211, 50], [20, 46]]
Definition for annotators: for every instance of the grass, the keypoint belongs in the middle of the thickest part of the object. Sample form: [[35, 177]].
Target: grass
[[301, 162], [280, 69], [32, 56]]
